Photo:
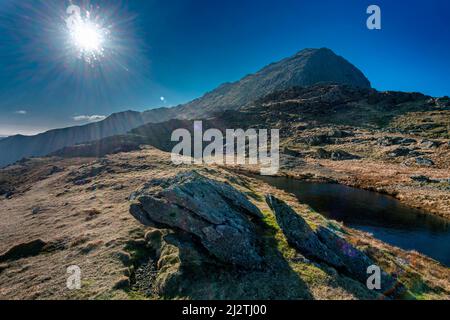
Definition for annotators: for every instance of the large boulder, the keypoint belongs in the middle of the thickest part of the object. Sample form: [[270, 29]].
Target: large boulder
[[215, 213], [390, 141], [430, 144], [300, 234], [421, 161], [356, 262], [176, 257], [399, 152], [336, 155], [339, 155], [327, 246], [318, 140]]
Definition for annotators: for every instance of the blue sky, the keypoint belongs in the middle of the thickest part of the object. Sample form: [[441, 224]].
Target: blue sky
[[180, 49]]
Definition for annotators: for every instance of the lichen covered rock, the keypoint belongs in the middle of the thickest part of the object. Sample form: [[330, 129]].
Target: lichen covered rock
[[215, 213], [300, 234], [355, 261]]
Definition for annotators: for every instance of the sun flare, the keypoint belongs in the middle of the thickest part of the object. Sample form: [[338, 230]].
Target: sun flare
[[86, 37]]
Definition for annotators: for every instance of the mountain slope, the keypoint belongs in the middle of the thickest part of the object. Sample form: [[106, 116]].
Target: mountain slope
[[316, 105], [17, 147], [306, 68]]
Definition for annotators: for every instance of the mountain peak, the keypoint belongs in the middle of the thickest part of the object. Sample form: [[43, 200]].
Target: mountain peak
[[305, 68], [313, 51], [318, 66]]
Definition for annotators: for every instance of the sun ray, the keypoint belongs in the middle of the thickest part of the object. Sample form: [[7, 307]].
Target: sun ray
[[87, 37]]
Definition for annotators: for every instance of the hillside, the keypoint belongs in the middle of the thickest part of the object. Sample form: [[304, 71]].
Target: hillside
[[341, 133], [83, 212], [19, 146]]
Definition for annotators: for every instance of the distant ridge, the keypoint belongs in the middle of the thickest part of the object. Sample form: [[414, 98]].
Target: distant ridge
[[306, 68], [16, 147]]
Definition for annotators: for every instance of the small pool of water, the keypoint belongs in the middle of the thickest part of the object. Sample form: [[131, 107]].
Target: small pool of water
[[383, 216]]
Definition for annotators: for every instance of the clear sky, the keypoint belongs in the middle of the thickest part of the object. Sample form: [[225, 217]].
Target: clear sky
[[180, 49]]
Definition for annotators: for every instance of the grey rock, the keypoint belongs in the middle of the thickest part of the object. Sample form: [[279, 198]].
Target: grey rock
[[424, 162], [327, 246], [55, 169], [322, 154], [317, 140], [420, 178], [399, 152], [81, 182], [390, 141], [430, 144], [337, 155], [300, 234], [292, 153], [340, 155], [9, 194], [23, 250], [86, 173], [415, 153], [408, 141], [215, 213], [337, 133], [356, 262]]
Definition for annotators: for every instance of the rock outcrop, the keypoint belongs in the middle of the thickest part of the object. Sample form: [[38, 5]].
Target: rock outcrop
[[200, 222], [391, 141], [23, 250], [213, 212], [337, 155], [300, 234], [356, 262], [326, 246]]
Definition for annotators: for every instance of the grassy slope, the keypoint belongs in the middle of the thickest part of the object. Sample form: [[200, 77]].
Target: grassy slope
[[92, 228]]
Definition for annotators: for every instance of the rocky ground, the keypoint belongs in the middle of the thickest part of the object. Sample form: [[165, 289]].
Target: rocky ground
[[408, 167], [105, 215]]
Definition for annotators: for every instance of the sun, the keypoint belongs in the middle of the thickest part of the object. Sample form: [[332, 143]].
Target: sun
[[85, 36]]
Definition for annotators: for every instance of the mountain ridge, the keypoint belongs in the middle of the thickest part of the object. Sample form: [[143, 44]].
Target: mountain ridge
[[305, 68]]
